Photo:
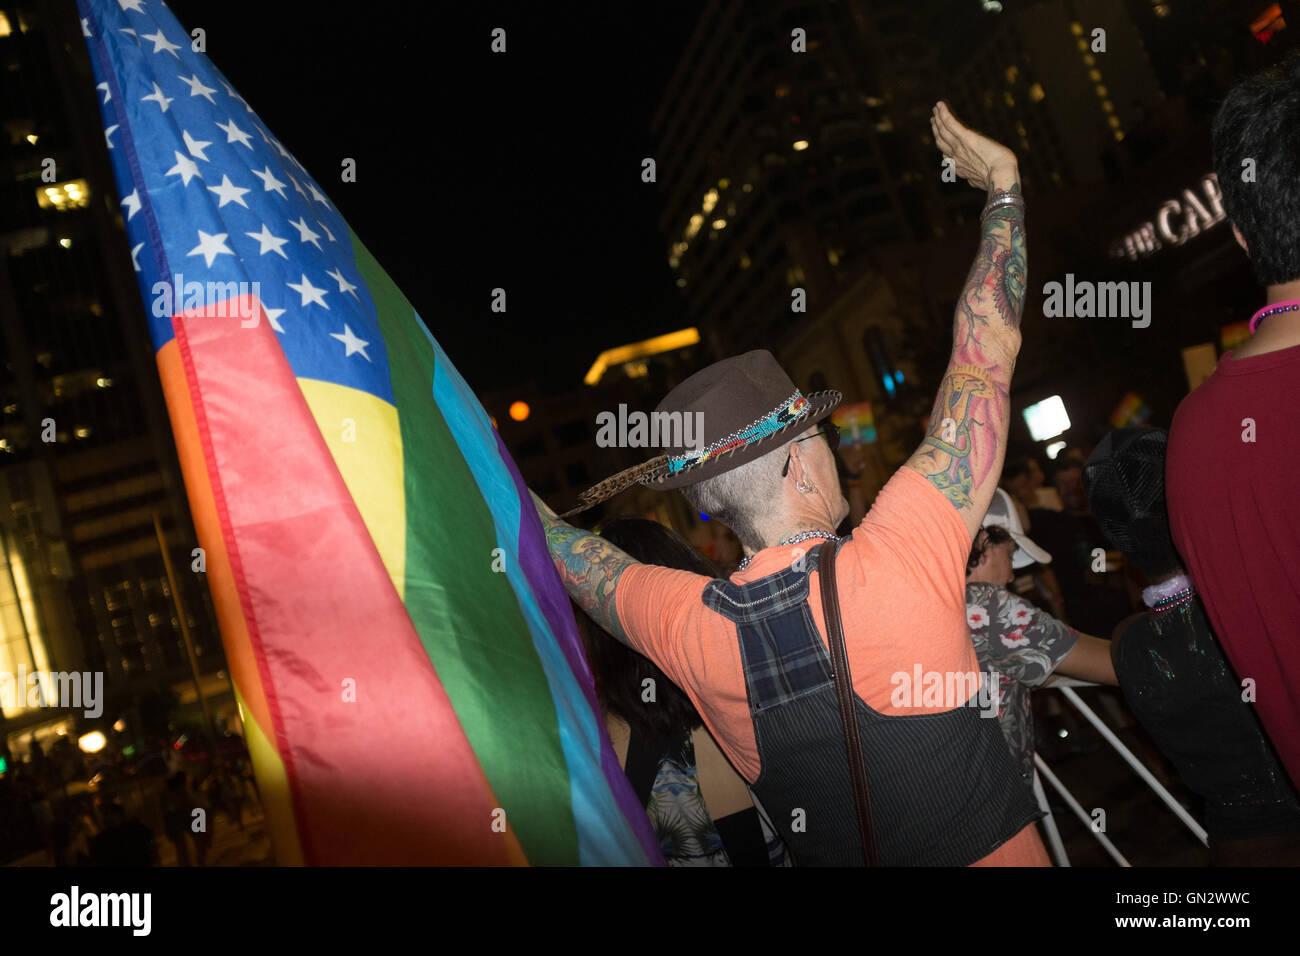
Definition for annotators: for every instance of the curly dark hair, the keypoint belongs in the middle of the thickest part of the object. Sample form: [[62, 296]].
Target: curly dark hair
[[1259, 122], [989, 536]]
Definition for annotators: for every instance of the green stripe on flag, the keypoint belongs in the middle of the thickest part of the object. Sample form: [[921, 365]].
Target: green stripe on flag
[[468, 616]]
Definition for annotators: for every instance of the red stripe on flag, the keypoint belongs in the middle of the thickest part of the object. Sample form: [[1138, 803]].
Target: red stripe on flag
[[389, 778]]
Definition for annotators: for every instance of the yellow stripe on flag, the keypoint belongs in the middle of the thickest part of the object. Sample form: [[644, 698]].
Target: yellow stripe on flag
[[273, 789], [365, 440]]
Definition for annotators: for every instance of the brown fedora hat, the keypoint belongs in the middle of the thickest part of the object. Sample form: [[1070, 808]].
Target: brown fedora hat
[[747, 403]]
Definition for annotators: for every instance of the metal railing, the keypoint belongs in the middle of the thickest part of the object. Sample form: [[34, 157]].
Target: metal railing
[[1066, 686]]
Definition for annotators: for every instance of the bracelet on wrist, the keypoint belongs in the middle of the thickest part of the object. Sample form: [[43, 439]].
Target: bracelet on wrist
[[1008, 200], [991, 208]]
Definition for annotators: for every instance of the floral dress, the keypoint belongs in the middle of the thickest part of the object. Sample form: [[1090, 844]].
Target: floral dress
[[687, 834]]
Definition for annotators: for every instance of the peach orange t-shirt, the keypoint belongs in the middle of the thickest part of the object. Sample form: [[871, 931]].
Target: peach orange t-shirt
[[902, 590]]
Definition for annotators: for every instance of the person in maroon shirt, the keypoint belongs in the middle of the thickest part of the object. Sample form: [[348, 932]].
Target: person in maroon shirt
[[1234, 446]]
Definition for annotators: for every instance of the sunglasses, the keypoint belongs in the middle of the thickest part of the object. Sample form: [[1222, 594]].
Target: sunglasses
[[828, 430]]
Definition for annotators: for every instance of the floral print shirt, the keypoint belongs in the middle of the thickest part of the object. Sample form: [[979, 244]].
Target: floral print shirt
[[1022, 645], [687, 835]]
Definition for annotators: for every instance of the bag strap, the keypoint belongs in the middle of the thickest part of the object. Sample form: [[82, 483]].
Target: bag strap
[[844, 692]]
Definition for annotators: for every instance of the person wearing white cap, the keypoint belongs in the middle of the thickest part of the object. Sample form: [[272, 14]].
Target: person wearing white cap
[[1019, 645]]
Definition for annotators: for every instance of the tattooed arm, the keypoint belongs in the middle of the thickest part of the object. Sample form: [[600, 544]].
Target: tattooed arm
[[589, 566], [967, 437]]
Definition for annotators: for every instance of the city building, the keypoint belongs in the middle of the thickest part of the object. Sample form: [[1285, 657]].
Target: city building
[[90, 488], [789, 141], [1059, 83]]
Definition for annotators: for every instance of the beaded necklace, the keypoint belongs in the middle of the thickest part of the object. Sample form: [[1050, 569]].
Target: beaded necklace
[[795, 539], [1290, 305]]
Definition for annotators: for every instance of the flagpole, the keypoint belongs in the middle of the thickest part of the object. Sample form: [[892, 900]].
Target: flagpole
[[185, 634]]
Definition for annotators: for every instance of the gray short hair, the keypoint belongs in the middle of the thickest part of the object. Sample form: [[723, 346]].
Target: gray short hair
[[743, 498]]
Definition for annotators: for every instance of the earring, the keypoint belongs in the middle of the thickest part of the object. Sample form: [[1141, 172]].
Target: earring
[[805, 489]]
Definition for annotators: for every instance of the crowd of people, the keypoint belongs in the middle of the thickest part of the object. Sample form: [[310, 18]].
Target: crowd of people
[[1184, 592], [47, 807]]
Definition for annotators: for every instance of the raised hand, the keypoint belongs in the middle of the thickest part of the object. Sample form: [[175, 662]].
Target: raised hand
[[980, 161]]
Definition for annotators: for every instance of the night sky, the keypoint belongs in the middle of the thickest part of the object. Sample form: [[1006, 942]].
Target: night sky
[[477, 170]]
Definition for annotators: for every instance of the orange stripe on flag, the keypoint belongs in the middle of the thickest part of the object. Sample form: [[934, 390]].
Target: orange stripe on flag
[[230, 614]]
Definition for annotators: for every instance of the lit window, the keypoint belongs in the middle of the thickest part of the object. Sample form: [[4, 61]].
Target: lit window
[[70, 195]]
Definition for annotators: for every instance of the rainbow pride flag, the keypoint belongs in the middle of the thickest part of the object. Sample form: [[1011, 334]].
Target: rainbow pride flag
[[402, 650]]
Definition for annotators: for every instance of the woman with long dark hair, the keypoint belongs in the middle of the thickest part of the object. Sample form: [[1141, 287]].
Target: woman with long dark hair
[[701, 809]]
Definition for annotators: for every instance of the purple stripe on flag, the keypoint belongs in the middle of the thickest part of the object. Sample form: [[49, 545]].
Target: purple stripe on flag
[[538, 568]]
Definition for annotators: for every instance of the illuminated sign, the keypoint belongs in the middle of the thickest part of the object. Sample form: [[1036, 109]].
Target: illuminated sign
[[1176, 221], [1046, 419], [637, 350]]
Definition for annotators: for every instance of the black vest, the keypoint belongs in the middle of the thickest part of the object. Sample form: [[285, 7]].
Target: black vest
[[945, 790]]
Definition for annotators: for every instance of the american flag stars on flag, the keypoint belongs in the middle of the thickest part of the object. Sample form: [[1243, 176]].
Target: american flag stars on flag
[[231, 204]]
